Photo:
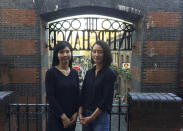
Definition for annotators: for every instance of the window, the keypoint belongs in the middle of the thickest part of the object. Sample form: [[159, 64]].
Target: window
[[127, 59], [122, 59]]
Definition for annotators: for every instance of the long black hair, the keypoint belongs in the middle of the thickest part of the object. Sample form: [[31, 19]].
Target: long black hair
[[107, 52], [60, 46]]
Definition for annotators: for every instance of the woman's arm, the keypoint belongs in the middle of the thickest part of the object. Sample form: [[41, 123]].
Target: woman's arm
[[74, 116], [80, 114], [95, 113], [108, 91], [86, 120], [50, 94]]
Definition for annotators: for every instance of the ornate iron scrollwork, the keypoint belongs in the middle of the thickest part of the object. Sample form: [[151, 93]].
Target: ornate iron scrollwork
[[80, 30]]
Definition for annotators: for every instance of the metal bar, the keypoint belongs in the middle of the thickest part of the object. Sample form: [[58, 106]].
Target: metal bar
[[92, 30], [88, 40], [110, 122], [18, 119], [27, 117], [9, 115], [127, 117], [46, 112], [84, 40], [37, 118], [109, 38], [55, 39], [114, 41], [114, 105], [29, 104], [90, 24], [119, 116], [131, 40], [102, 35]]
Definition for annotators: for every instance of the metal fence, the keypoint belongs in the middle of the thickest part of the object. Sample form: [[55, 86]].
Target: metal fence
[[33, 117]]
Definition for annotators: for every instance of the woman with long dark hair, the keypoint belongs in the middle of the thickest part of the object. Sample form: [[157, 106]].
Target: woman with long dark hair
[[62, 90], [97, 90]]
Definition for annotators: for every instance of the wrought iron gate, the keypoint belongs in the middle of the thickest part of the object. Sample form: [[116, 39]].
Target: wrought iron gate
[[81, 32]]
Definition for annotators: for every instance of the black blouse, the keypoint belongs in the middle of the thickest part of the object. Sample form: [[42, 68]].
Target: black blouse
[[62, 92], [97, 91]]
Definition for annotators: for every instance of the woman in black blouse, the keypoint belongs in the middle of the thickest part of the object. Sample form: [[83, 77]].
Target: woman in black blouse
[[62, 90], [97, 90]]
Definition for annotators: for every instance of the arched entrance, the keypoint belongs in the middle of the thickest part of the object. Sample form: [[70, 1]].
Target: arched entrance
[[82, 31], [59, 25], [115, 26]]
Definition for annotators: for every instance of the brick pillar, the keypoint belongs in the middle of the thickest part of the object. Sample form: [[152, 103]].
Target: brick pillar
[[137, 57], [180, 92], [20, 50], [160, 52]]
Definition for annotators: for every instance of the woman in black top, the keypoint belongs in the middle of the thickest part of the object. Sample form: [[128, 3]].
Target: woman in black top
[[62, 90], [97, 90]]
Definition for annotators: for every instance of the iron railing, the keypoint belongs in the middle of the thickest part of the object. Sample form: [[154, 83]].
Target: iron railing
[[33, 117]]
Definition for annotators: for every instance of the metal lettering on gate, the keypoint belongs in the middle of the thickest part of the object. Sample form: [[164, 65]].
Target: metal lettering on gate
[[84, 31]]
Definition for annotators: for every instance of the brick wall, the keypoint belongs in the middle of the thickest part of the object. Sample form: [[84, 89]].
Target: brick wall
[[159, 75], [164, 19], [155, 54], [18, 17], [161, 48], [160, 56], [20, 48]]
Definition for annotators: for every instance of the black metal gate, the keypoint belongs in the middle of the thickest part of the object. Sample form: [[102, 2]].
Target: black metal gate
[[81, 32], [33, 117]]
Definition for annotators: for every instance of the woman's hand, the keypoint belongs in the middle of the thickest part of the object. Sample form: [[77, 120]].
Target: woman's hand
[[87, 120], [74, 118], [81, 118], [65, 121]]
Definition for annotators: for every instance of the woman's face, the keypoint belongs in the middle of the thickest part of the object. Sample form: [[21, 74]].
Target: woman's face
[[97, 54], [64, 56]]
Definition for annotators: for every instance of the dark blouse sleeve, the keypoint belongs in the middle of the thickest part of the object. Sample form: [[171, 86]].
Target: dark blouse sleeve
[[78, 92], [50, 91], [83, 90], [108, 90]]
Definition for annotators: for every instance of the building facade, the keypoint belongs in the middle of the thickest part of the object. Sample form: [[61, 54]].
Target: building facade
[[157, 45]]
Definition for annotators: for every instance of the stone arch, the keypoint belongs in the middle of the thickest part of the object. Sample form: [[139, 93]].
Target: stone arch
[[123, 12]]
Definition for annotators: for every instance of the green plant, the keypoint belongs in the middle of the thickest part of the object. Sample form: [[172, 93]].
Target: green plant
[[122, 72]]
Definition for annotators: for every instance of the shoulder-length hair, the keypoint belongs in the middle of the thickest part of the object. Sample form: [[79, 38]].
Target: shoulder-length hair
[[107, 53], [60, 46]]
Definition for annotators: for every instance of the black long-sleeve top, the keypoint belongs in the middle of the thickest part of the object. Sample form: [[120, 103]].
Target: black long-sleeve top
[[97, 91], [62, 92]]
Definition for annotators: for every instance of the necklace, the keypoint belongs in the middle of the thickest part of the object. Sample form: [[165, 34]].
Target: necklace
[[64, 71]]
